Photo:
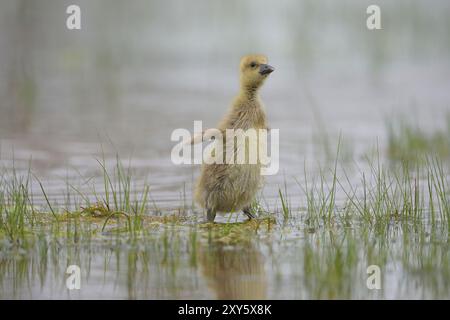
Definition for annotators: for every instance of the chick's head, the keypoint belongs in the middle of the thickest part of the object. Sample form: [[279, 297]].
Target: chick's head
[[254, 70]]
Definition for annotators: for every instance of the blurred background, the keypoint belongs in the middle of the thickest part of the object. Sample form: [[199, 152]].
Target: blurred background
[[138, 70]]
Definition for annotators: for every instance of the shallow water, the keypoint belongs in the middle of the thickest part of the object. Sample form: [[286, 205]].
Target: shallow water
[[134, 74], [286, 263]]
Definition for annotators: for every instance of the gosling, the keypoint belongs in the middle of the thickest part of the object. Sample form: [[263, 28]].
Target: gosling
[[232, 187]]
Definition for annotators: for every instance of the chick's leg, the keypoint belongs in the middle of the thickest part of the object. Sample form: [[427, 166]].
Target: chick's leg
[[248, 213], [210, 215]]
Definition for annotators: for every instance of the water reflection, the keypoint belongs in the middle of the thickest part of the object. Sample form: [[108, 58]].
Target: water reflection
[[234, 272]]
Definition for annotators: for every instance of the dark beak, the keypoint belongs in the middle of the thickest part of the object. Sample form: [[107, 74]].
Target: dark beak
[[265, 69]]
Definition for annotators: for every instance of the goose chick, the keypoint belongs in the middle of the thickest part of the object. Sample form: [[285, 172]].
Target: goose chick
[[232, 187]]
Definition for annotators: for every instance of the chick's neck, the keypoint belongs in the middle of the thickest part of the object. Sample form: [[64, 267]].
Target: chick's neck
[[249, 92]]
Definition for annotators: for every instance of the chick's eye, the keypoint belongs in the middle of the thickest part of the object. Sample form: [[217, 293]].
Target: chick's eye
[[253, 64]]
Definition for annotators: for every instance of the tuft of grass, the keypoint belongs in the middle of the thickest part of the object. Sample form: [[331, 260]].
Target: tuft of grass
[[284, 205], [16, 209], [120, 197], [408, 142], [321, 198], [405, 192]]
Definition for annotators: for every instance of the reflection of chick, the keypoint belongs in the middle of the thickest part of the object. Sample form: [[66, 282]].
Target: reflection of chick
[[232, 187], [234, 274]]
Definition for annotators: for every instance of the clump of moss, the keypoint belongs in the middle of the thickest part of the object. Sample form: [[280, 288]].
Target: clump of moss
[[238, 232], [97, 210]]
